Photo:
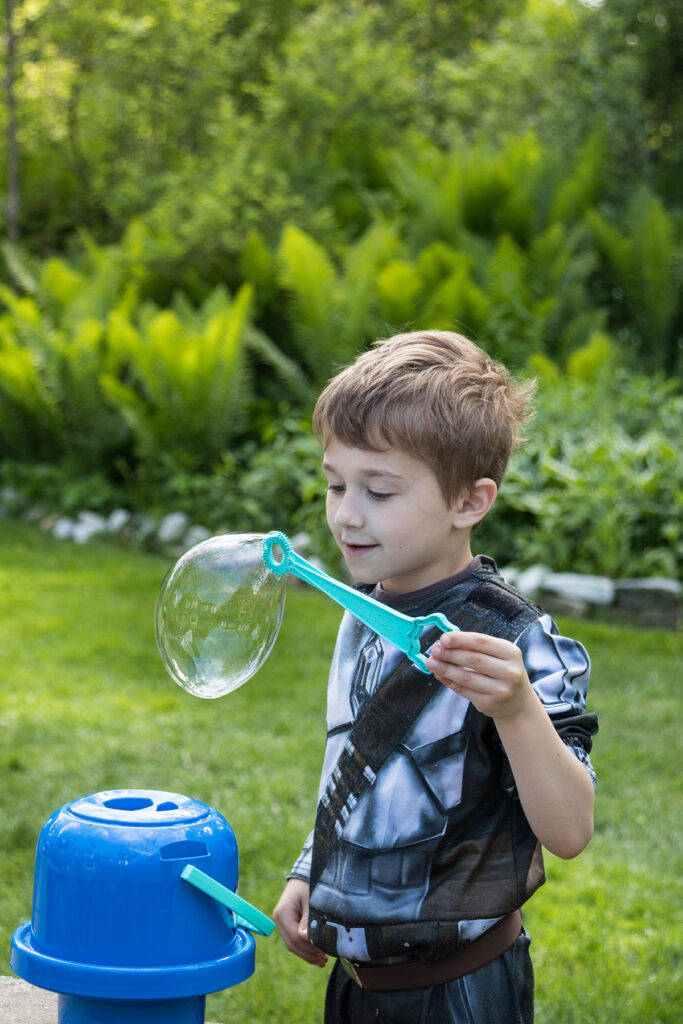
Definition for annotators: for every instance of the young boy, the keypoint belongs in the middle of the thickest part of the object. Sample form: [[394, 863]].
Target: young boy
[[438, 788]]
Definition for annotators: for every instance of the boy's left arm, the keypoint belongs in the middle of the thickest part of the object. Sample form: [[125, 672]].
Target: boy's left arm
[[554, 787]]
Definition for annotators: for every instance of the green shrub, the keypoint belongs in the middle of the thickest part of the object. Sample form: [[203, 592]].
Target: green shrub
[[598, 488], [59, 488]]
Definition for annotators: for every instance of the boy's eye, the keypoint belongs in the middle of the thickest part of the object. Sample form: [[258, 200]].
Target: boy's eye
[[336, 488], [378, 495]]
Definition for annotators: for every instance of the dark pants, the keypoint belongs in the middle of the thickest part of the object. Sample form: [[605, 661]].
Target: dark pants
[[500, 993]]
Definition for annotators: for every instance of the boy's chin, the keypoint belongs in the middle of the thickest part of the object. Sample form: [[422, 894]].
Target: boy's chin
[[359, 574]]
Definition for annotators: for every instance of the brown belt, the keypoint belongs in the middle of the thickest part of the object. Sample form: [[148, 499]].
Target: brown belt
[[416, 974]]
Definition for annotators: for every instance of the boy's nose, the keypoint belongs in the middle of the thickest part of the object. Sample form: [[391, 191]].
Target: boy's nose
[[348, 513]]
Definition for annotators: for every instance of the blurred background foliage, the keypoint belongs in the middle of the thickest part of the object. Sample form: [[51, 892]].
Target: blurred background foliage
[[210, 205]]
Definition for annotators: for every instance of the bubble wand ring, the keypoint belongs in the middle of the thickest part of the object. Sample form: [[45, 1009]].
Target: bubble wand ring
[[400, 630]]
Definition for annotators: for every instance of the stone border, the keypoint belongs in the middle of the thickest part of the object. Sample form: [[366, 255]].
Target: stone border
[[651, 601]]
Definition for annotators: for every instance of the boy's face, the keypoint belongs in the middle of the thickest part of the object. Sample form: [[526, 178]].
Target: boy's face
[[390, 519]]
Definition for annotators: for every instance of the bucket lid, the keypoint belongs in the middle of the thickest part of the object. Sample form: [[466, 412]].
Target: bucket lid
[[146, 808]]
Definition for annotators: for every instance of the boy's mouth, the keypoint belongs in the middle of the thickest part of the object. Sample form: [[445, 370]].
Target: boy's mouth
[[354, 550]]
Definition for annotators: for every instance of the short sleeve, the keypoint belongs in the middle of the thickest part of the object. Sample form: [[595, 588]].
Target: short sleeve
[[559, 670], [302, 865]]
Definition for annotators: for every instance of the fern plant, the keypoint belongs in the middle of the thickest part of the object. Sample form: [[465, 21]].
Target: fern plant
[[51, 402], [179, 378], [31, 425], [333, 312], [428, 186], [400, 288], [55, 407], [89, 372], [561, 265], [646, 261], [580, 189], [507, 255], [457, 303], [452, 195]]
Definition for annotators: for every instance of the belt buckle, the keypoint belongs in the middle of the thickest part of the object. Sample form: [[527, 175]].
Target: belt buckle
[[350, 969]]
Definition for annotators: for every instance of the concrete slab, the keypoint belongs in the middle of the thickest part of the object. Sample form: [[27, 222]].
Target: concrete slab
[[25, 1004]]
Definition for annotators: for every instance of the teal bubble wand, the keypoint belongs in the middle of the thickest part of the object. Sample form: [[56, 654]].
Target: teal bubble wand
[[400, 630], [220, 609]]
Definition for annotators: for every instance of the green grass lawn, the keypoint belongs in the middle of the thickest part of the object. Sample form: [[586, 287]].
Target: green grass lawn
[[85, 705]]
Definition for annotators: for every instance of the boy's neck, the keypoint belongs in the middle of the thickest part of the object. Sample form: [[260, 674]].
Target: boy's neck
[[457, 562], [410, 597]]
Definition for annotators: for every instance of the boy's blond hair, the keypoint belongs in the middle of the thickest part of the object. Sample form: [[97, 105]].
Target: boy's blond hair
[[435, 395]]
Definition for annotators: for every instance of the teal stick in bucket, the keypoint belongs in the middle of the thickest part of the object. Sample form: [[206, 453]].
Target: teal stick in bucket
[[244, 914]]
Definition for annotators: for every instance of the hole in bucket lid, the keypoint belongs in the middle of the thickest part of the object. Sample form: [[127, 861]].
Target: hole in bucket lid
[[168, 805], [128, 803], [183, 849]]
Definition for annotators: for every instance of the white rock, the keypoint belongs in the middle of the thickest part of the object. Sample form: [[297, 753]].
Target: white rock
[[87, 526], [173, 527], [118, 520], [82, 533], [93, 520], [660, 590], [33, 514], [301, 542], [195, 535], [143, 527], [510, 574], [579, 587], [317, 564], [10, 500], [531, 581], [63, 528]]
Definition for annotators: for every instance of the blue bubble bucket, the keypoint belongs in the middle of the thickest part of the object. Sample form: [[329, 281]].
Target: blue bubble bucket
[[115, 929]]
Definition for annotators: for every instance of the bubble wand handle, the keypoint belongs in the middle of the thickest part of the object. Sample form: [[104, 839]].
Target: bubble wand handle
[[400, 630]]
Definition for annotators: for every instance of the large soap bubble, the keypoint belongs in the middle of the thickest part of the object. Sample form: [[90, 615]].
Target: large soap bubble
[[218, 614]]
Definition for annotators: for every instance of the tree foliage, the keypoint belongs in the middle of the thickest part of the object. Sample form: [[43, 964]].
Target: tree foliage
[[211, 118], [222, 201]]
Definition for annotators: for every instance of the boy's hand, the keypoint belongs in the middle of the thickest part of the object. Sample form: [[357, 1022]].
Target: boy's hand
[[291, 918], [486, 670]]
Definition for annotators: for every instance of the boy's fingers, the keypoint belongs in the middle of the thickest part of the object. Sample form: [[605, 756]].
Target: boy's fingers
[[478, 650], [482, 642], [470, 662], [461, 680], [295, 937], [297, 942], [308, 952], [291, 917]]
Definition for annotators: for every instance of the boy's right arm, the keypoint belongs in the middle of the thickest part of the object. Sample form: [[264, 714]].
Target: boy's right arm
[[291, 918]]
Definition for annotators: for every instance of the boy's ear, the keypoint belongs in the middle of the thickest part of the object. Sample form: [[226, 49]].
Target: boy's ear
[[472, 506]]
